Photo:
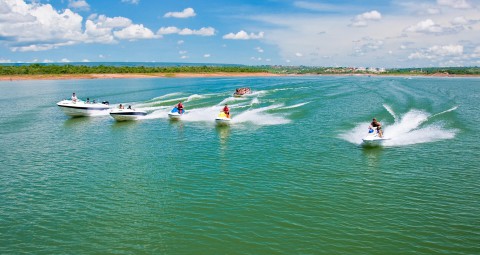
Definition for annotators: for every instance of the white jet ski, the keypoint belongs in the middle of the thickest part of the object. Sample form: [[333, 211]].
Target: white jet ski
[[81, 108], [127, 114], [174, 114], [222, 119], [373, 138]]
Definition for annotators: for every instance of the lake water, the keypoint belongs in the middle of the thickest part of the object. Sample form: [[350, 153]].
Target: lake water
[[288, 176]]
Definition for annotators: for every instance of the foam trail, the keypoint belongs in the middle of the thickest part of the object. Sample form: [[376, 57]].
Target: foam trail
[[206, 114], [260, 117], [389, 109], [230, 99], [295, 106], [449, 110], [193, 97], [158, 114], [165, 96]]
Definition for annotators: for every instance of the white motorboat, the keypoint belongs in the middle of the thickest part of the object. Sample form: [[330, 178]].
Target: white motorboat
[[222, 119], [82, 108], [174, 114], [127, 114], [373, 138]]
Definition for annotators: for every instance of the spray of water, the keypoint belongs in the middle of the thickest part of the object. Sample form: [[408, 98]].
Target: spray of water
[[410, 128]]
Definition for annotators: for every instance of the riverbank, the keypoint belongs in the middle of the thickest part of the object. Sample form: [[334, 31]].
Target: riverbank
[[130, 76], [193, 75]]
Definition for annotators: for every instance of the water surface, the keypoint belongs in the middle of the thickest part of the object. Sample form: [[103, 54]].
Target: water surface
[[289, 176]]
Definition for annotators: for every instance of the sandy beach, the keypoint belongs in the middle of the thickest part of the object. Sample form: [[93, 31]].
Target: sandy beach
[[129, 75]]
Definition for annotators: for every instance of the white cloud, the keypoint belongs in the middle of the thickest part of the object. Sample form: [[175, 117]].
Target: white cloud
[[85, 60], [206, 55], [168, 30], [5, 60], [315, 6], [79, 4], [457, 4], [182, 52], [476, 52], [65, 60], [131, 1], [186, 13], [39, 47], [362, 19], [242, 35], [101, 29], [260, 50], [184, 57], [204, 31], [115, 22], [180, 42], [298, 54], [367, 44], [438, 52], [39, 27], [426, 26], [433, 11], [460, 21], [34, 27], [134, 32]]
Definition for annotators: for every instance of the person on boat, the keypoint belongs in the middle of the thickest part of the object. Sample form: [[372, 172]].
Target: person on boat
[[74, 97], [180, 107], [121, 106], [88, 100], [226, 110], [376, 124], [129, 107]]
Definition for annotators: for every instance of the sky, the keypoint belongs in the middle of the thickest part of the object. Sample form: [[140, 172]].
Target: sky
[[340, 33]]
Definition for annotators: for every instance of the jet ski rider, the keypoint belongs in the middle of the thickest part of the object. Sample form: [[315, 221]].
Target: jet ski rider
[[180, 107], [226, 111], [376, 124]]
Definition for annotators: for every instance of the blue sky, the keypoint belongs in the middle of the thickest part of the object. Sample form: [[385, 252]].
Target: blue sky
[[386, 33]]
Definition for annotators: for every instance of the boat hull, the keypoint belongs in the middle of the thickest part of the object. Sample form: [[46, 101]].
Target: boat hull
[[374, 140], [222, 121], [174, 115], [79, 109], [127, 114]]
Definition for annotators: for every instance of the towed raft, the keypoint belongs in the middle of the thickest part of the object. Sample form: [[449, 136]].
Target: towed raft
[[373, 138], [80, 108], [127, 114], [241, 92]]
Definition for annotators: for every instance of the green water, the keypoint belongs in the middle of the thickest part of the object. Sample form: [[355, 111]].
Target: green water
[[288, 176]]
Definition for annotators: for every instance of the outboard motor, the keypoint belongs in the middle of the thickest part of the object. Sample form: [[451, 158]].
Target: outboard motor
[[105, 102]]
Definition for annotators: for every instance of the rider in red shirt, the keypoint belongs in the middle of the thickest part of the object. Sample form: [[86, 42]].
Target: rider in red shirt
[[226, 111], [180, 107]]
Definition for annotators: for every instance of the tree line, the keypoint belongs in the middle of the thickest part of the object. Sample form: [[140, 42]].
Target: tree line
[[54, 69], [35, 69]]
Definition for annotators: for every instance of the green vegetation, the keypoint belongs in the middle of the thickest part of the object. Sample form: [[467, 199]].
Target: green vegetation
[[436, 70], [35, 69], [47, 69]]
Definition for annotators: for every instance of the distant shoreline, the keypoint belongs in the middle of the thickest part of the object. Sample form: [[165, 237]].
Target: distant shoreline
[[130, 76], [196, 75]]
